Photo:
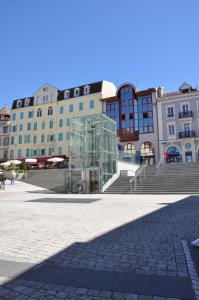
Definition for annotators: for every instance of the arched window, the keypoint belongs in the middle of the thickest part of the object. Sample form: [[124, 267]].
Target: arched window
[[50, 111], [129, 149], [39, 112], [147, 149]]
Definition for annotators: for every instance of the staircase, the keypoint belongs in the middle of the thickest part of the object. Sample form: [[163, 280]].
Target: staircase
[[51, 179], [173, 178]]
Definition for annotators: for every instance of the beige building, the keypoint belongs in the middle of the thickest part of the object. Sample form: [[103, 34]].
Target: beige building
[[4, 133], [178, 122], [39, 124]]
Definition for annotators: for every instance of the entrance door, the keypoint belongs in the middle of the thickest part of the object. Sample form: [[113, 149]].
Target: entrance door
[[94, 181], [188, 156]]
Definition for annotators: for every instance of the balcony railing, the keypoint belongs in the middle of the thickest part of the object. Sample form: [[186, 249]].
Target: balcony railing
[[185, 114], [186, 134]]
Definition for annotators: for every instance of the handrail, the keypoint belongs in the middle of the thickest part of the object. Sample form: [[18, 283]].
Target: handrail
[[134, 179]]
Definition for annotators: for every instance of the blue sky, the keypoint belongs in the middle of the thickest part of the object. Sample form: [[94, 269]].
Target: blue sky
[[67, 43]]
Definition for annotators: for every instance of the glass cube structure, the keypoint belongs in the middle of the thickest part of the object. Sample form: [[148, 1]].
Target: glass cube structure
[[92, 152]]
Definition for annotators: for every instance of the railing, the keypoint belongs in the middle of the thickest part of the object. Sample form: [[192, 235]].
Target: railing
[[139, 173], [186, 134], [185, 114]]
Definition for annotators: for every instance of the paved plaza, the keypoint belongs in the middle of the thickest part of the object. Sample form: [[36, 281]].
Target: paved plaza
[[96, 246]]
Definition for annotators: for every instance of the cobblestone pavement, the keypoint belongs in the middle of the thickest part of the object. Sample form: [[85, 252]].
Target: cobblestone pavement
[[138, 234]]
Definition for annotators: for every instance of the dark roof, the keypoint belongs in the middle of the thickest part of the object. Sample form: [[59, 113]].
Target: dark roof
[[14, 104], [95, 87]]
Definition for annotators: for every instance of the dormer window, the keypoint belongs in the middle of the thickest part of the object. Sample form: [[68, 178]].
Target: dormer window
[[66, 94], [27, 102], [76, 92], [19, 103], [86, 90]]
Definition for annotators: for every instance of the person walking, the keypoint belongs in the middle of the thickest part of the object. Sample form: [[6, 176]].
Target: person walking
[[2, 181], [13, 177]]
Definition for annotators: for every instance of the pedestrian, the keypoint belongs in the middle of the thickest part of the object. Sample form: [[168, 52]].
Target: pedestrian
[[2, 181], [13, 177]]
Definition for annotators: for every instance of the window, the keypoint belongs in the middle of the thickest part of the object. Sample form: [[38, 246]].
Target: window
[[30, 114], [45, 99], [51, 137], [19, 104], [61, 123], [35, 152], [61, 109], [27, 152], [43, 125], [5, 129], [12, 140], [35, 126], [29, 126], [76, 92], [91, 104], [86, 89], [60, 137], [11, 153], [20, 139], [21, 115], [68, 122], [43, 152], [50, 151], [170, 112], [112, 110], [185, 108], [59, 150], [81, 106], [19, 153], [14, 128], [66, 94], [51, 124], [144, 114], [28, 139], [14, 117], [187, 127], [39, 113], [42, 138], [27, 102], [34, 139], [71, 108], [171, 129], [50, 111]]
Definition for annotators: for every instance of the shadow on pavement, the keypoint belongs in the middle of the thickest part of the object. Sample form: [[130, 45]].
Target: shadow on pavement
[[66, 200], [144, 256]]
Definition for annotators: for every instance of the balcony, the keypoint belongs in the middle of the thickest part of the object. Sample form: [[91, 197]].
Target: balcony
[[186, 134], [185, 114]]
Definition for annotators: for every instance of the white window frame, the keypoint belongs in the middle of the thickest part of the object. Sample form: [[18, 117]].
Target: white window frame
[[19, 103], [86, 89], [167, 107], [185, 103], [168, 133], [66, 94], [187, 123], [27, 102], [76, 92]]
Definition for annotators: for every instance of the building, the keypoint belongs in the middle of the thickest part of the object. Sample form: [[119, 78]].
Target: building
[[178, 121], [39, 124], [136, 115], [4, 133]]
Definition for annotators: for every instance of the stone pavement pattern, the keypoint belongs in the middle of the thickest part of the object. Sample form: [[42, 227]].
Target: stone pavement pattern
[[121, 233]]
